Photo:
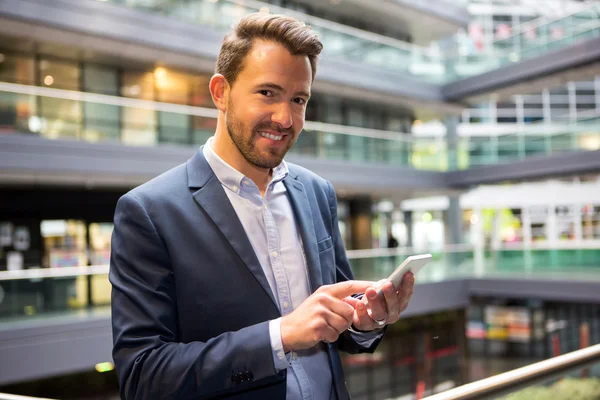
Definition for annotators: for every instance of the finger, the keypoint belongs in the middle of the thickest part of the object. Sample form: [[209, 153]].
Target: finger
[[337, 322], [392, 300], [407, 290], [353, 301], [338, 307], [330, 335], [408, 281], [376, 305], [347, 288], [362, 320]]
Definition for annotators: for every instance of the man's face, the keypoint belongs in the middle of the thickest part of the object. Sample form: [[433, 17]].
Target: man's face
[[266, 104]]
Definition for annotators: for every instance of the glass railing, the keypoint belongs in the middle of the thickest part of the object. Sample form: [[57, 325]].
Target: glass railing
[[36, 293], [459, 262], [340, 41], [528, 40], [348, 43], [64, 114], [574, 375], [534, 139]]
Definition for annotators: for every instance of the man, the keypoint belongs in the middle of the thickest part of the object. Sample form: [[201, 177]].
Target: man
[[230, 279]]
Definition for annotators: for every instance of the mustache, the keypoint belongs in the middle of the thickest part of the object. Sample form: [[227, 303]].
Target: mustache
[[273, 127]]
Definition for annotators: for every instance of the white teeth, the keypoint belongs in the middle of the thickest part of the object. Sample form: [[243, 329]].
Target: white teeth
[[269, 136]]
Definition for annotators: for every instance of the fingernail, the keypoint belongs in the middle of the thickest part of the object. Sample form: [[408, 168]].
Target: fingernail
[[361, 306], [389, 290], [372, 295]]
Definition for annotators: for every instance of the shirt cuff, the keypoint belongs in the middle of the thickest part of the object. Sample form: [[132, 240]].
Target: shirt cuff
[[280, 359]]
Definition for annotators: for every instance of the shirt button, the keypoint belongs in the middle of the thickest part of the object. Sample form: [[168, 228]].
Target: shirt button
[[286, 304], [235, 188], [294, 356], [274, 254]]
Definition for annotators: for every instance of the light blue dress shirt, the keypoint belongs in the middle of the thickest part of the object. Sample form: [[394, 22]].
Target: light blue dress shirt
[[271, 228]]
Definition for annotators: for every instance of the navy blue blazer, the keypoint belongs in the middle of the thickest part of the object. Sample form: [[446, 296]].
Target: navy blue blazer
[[190, 300]]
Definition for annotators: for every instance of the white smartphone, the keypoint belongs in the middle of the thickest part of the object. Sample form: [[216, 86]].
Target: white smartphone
[[412, 264]]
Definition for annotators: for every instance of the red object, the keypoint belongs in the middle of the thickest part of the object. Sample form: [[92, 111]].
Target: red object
[[584, 341], [530, 34], [420, 390], [555, 345]]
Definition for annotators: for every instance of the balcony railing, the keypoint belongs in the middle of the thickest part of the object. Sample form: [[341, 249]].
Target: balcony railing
[[32, 293], [65, 114], [428, 63]]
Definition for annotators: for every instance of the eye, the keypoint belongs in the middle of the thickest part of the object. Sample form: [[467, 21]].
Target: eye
[[299, 100], [266, 93]]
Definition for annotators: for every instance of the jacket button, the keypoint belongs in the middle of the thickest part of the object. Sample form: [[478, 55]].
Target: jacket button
[[250, 376]]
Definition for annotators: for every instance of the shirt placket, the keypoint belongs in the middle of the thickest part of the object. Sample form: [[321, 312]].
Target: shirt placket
[[283, 292]]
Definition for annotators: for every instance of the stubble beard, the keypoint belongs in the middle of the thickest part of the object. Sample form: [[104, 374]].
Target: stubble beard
[[268, 159]]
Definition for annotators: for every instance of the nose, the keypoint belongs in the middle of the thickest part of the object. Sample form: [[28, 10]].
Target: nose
[[283, 115]]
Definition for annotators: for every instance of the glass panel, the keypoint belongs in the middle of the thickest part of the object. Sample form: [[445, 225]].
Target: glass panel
[[199, 92], [102, 122], [171, 87], [202, 129], [60, 118], [17, 69], [97, 79], [18, 112], [139, 85], [59, 74], [139, 127], [174, 128]]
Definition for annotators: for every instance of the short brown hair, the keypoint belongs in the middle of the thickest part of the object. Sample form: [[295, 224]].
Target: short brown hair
[[294, 35]]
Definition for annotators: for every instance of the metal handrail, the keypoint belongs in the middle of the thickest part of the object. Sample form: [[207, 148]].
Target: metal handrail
[[204, 112], [520, 378], [6, 396]]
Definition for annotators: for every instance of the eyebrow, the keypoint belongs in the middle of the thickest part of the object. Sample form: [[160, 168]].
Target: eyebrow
[[274, 86]]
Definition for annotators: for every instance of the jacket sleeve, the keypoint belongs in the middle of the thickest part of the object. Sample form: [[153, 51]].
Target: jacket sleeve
[[350, 341], [150, 359]]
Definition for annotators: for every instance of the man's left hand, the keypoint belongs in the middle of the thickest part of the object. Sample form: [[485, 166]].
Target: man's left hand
[[372, 308]]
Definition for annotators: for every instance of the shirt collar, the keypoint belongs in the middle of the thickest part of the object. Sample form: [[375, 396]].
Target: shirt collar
[[232, 178]]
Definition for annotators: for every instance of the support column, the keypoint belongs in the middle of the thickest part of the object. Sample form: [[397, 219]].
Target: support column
[[577, 222], [451, 124], [527, 239], [551, 225], [408, 222], [453, 231], [454, 221], [360, 223], [478, 243], [496, 231]]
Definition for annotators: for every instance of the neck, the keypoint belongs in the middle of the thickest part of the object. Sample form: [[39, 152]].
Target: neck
[[224, 147]]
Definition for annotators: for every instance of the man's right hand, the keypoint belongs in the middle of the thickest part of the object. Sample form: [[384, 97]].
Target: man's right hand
[[322, 317]]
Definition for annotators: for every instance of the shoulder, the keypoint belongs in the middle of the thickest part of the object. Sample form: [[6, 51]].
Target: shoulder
[[162, 189], [308, 177], [321, 188]]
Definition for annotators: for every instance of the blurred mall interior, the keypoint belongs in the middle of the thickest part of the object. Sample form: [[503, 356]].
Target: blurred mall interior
[[469, 129]]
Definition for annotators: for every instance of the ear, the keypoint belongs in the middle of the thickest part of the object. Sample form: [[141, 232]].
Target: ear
[[219, 90]]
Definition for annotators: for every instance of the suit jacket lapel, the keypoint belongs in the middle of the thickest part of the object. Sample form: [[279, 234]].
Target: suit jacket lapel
[[304, 221], [212, 198]]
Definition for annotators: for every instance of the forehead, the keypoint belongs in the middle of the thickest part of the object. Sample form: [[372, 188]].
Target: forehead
[[271, 62]]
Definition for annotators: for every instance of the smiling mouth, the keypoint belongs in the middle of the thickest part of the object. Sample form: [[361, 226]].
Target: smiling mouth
[[271, 136]]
